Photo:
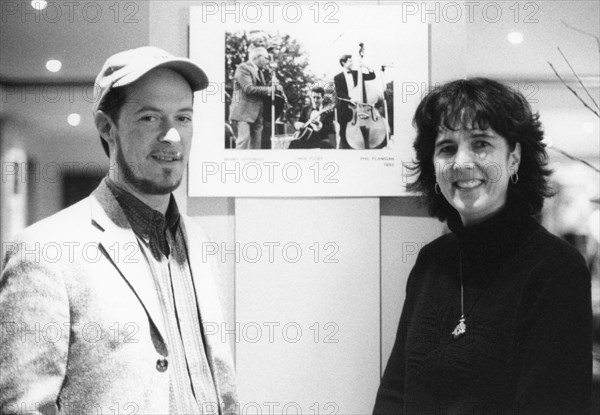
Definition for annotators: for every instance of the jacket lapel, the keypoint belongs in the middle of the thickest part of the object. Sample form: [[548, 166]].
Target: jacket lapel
[[254, 71], [120, 245]]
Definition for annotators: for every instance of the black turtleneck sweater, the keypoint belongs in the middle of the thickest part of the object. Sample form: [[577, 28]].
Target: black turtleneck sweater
[[527, 347]]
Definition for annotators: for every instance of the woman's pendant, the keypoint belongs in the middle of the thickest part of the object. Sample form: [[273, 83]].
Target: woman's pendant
[[460, 329]]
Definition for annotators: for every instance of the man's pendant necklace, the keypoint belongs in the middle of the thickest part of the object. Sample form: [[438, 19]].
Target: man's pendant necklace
[[461, 327]]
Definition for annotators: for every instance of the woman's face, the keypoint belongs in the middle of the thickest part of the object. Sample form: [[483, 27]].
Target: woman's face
[[472, 168]]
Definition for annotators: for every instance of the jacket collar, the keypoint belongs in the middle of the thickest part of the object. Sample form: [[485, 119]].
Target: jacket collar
[[146, 222]]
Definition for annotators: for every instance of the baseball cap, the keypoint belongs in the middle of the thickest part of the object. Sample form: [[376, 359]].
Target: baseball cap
[[126, 67]]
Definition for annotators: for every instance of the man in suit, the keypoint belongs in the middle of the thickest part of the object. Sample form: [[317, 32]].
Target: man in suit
[[345, 82], [319, 133], [103, 305], [249, 90]]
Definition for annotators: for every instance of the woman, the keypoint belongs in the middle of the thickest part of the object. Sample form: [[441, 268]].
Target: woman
[[497, 316]]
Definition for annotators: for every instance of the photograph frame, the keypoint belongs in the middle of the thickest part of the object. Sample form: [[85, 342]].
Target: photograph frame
[[217, 171]]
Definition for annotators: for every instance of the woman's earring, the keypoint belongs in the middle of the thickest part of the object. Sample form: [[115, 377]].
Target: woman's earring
[[437, 189], [514, 178]]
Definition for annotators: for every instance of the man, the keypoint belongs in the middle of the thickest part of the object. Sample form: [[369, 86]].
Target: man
[[345, 82], [319, 132], [113, 322], [249, 90]]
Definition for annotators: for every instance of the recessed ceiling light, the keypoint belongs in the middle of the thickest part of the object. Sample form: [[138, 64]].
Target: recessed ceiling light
[[74, 119], [53, 65], [39, 4], [515, 37]]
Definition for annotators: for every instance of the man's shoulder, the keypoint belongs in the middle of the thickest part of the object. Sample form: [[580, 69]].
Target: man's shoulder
[[244, 66], [76, 220], [61, 225], [306, 109]]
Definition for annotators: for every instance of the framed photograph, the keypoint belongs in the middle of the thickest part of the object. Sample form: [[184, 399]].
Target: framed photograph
[[305, 100]]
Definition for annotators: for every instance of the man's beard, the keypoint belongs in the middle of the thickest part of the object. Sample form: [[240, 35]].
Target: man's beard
[[142, 185]]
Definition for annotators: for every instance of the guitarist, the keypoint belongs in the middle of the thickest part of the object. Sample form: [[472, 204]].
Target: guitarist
[[320, 133]]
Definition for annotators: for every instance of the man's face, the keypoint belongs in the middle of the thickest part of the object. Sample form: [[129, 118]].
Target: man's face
[[317, 99], [154, 133], [259, 41], [262, 60], [348, 64]]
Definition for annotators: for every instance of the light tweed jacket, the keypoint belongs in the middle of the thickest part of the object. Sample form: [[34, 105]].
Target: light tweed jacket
[[248, 93], [81, 330]]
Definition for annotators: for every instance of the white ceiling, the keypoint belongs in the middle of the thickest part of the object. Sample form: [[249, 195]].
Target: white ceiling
[[80, 34], [83, 34], [489, 53]]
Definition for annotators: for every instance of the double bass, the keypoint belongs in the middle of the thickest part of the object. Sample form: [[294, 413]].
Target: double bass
[[367, 128]]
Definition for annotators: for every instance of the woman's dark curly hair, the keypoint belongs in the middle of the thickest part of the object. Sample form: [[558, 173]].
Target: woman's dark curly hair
[[482, 103]]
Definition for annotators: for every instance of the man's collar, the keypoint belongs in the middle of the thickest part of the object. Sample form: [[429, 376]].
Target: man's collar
[[143, 219]]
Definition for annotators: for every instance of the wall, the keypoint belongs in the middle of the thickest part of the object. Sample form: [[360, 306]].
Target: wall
[[40, 111], [347, 311]]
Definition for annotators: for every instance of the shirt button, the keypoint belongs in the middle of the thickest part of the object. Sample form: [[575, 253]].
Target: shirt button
[[162, 364]]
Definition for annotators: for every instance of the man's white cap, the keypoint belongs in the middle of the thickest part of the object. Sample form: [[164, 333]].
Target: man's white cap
[[128, 66]]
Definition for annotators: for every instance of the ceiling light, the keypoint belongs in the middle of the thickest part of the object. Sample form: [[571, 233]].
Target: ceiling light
[[53, 65], [515, 37], [74, 119], [39, 4]]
